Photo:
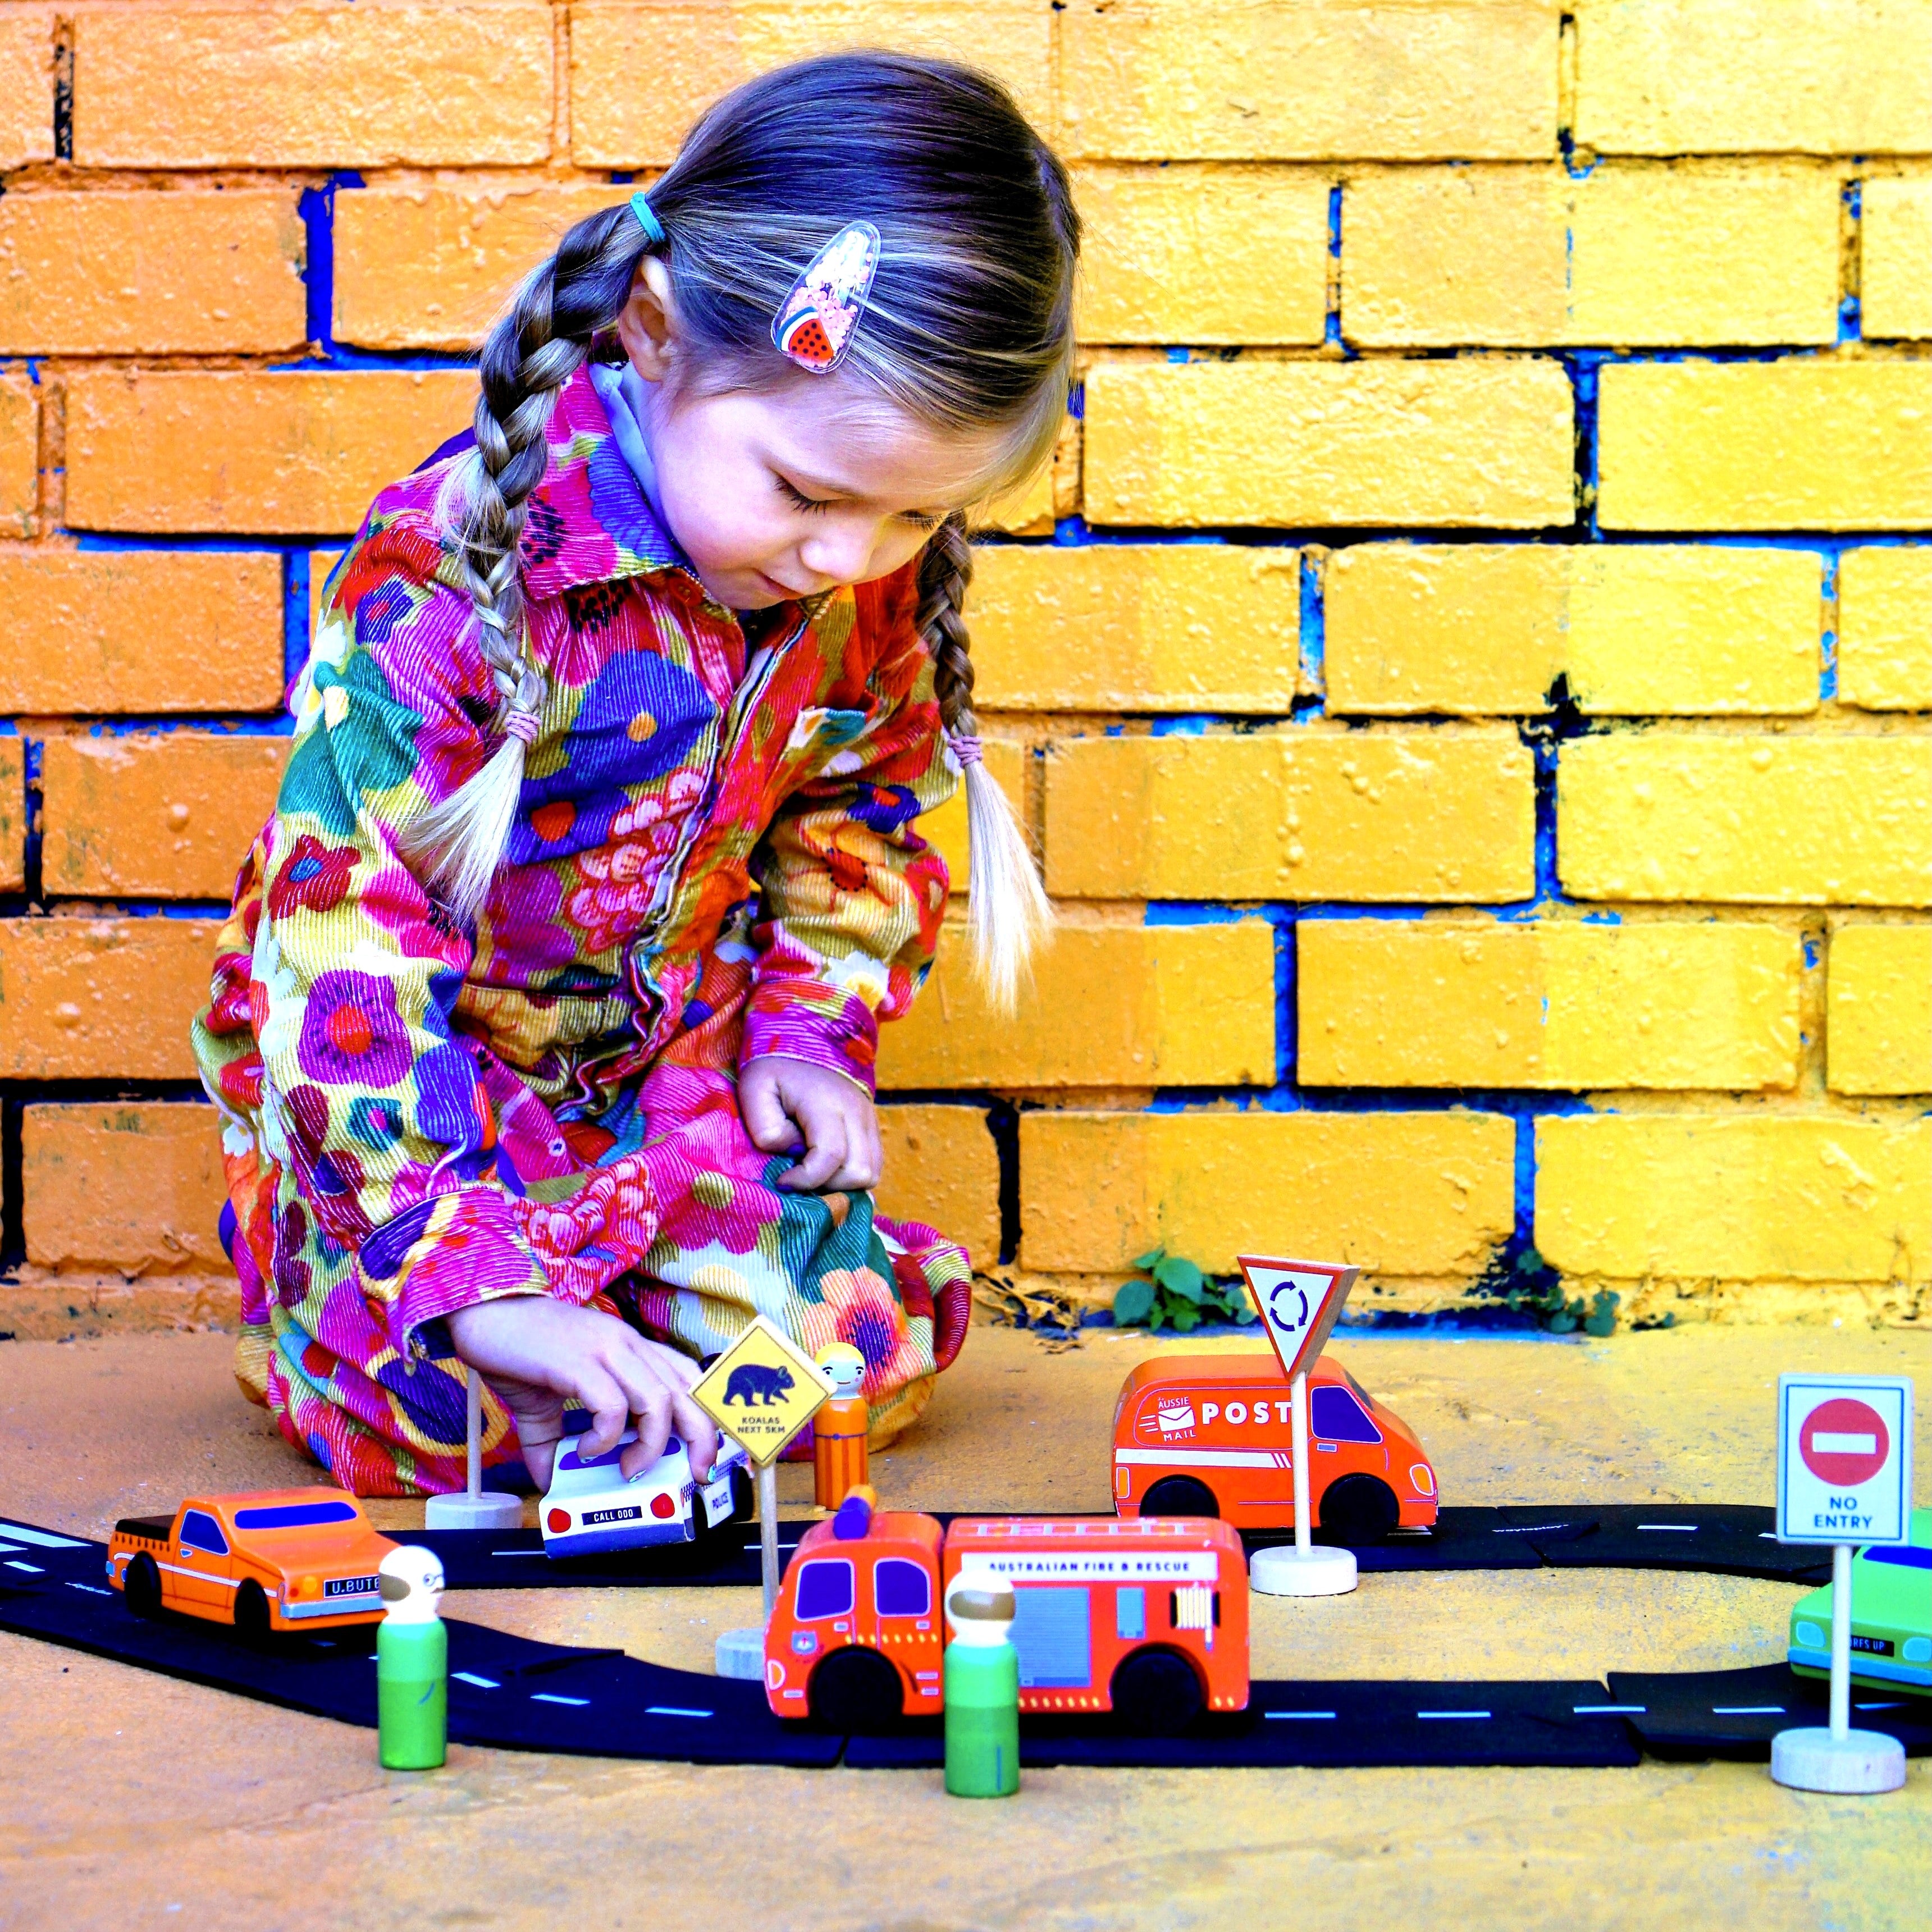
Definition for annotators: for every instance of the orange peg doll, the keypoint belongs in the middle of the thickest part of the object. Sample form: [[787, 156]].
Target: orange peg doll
[[838, 1451]]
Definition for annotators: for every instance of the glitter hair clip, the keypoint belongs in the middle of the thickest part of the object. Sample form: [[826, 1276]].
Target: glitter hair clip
[[815, 324]]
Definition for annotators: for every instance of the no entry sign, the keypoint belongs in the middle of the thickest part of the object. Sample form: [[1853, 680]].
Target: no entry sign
[[1844, 1459]]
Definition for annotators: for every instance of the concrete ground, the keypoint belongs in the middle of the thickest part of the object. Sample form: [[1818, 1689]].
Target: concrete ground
[[128, 1799]]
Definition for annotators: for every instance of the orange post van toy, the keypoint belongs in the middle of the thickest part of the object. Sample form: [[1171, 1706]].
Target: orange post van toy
[[1210, 1435], [277, 1560], [1148, 1619]]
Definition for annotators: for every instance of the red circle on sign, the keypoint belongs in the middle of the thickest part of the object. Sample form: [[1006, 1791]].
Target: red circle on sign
[[1844, 1441]]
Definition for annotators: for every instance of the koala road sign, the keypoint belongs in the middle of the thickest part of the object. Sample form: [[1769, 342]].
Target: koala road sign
[[762, 1390]]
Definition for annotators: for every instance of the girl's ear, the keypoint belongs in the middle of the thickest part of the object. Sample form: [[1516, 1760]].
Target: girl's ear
[[647, 324]]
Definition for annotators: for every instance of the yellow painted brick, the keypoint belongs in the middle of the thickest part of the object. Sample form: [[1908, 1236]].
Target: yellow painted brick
[[151, 273], [139, 1188], [19, 455], [1231, 80], [1167, 1005], [26, 86], [630, 105], [1026, 512], [1396, 1193], [157, 817], [429, 267], [1754, 1197], [1885, 628], [102, 999], [1554, 1004], [1297, 815], [273, 85], [1895, 258], [1314, 443], [942, 1169], [1736, 77], [1521, 257], [320, 563], [1136, 627], [1636, 629], [1203, 254], [1765, 445], [13, 814], [140, 630], [235, 451], [1878, 1022], [945, 829], [1769, 820]]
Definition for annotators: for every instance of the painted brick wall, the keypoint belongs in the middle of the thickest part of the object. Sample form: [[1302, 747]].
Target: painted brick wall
[[1469, 672]]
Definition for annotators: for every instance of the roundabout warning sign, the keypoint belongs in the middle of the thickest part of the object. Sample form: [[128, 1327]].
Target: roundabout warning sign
[[1844, 1459]]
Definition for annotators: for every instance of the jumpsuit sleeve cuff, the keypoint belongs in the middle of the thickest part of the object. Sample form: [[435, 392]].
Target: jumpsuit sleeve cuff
[[823, 1026], [449, 1252]]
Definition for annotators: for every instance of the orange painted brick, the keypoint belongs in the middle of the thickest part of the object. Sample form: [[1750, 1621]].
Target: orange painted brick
[[631, 105], [139, 1188], [154, 817], [1317, 443], [1895, 258], [429, 267], [1136, 627], [1441, 815], [1878, 1023], [1418, 1194], [26, 86], [235, 450], [1552, 1004], [945, 829], [1166, 1005], [140, 630], [1786, 820], [13, 814], [20, 456], [151, 273], [1885, 628], [1203, 254], [280, 86], [89, 999], [1221, 79], [942, 1169]]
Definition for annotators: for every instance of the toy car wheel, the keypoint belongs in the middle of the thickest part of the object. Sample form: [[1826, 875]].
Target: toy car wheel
[[855, 1689], [1156, 1693], [1359, 1509], [142, 1586], [1179, 1495], [251, 1609]]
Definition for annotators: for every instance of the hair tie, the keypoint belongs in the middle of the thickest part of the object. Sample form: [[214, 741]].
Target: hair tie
[[966, 748], [521, 723], [816, 323], [647, 220]]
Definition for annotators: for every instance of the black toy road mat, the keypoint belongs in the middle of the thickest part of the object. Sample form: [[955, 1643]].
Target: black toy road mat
[[1700, 1714]]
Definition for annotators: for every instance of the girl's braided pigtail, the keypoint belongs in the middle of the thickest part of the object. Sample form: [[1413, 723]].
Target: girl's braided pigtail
[[1006, 910], [527, 358]]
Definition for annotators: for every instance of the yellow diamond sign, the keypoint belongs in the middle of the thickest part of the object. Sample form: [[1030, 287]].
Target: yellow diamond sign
[[762, 1390]]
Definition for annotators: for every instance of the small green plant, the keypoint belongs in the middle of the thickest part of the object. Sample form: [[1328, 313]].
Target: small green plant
[[1177, 1294], [1537, 1290]]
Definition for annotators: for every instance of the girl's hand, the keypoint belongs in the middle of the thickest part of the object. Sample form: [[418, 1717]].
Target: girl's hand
[[783, 1100], [534, 1351]]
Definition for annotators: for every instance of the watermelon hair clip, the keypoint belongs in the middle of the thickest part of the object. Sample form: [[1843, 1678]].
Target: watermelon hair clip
[[815, 326]]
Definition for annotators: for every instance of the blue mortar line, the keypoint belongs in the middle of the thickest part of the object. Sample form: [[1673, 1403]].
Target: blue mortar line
[[1331, 321], [1851, 308]]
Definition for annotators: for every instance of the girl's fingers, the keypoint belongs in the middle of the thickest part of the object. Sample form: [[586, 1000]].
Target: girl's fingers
[[765, 1120], [699, 1432], [608, 1401], [825, 1153], [649, 1402], [867, 1161]]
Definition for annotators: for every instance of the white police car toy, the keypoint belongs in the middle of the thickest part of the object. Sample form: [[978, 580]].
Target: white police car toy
[[590, 1510]]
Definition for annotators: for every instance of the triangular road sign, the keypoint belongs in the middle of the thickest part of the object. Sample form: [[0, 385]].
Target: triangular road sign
[[1298, 1302]]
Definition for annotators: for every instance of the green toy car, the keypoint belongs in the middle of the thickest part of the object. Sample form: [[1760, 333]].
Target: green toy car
[[1891, 1617]]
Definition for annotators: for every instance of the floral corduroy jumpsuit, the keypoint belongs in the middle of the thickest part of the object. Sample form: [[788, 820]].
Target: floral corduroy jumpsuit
[[713, 858]]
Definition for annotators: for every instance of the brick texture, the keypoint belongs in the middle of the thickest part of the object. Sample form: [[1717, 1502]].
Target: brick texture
[[1389, 1004], [1316, 443], [241, 451], [1170, 1006], [20, 456], [26, 86], [1396, 1193], [945, 829], [132, 1188], [1749, 1197], [13, 814], [1138, 627], [942, 1169], [273, 85], [1776, 821], [1878, 1027], [1885, 628], [154, 817], [139, 630], [1418, 815], [1895, 258]]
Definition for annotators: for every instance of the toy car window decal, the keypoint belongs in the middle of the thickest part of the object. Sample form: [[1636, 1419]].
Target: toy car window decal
[[1130, 1612], [201, 1532], [295, 1515], [1051, 1635], [1905, 1555], [825, 1589], [1337, 1417], [901, 1588]]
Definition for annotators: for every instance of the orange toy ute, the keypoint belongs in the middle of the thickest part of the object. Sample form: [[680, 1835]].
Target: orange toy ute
[[277, 1560], [1199, 1435]]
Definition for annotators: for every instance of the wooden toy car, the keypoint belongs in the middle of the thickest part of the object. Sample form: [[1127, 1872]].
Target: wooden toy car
[[592, 1509], [1147, 1619], [1891, 1617], [276, 1560], [1210, 1435]]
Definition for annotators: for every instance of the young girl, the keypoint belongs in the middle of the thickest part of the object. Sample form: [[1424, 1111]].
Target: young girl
[[544, 1026]]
